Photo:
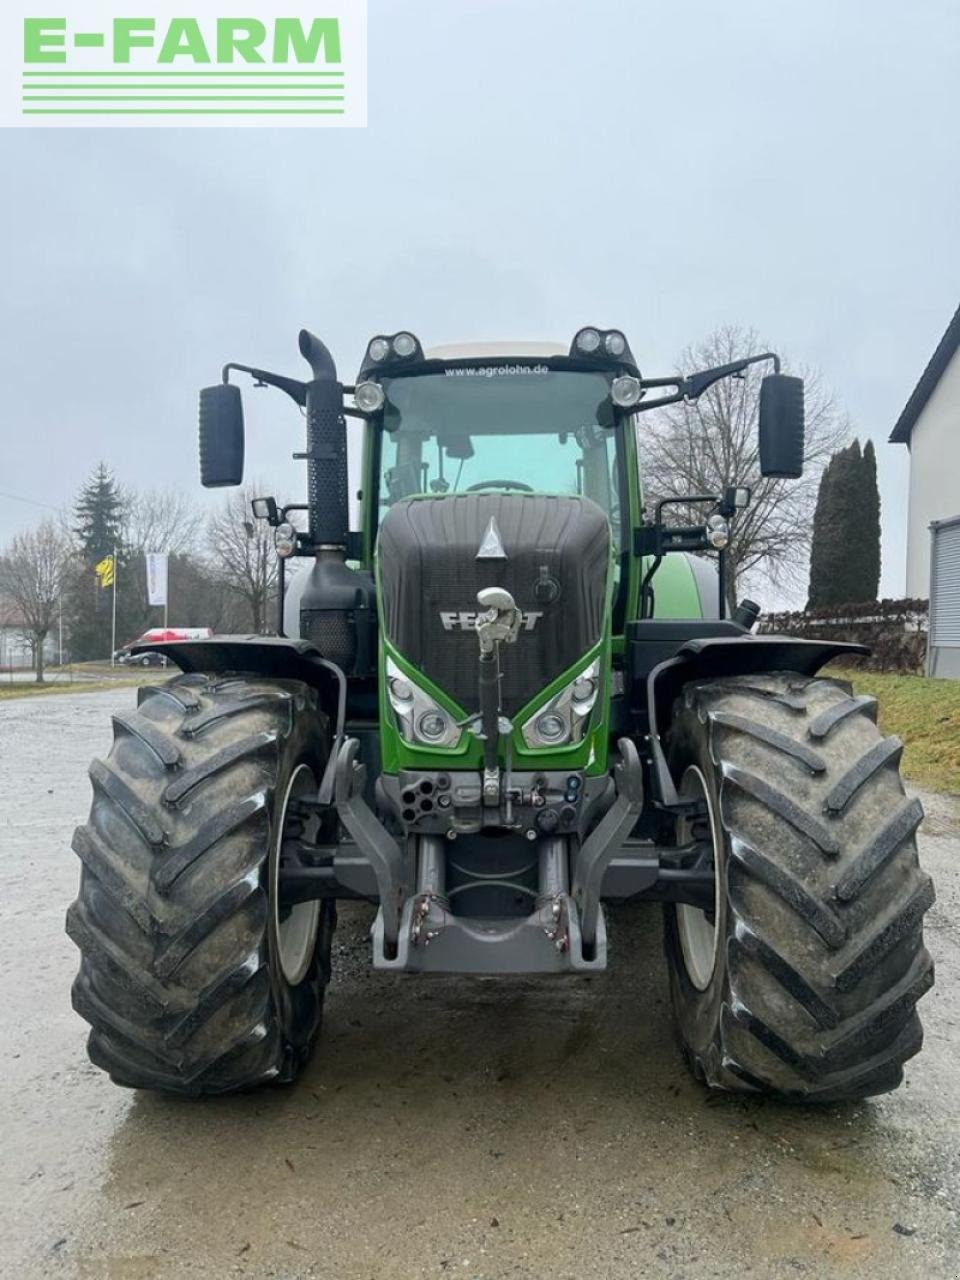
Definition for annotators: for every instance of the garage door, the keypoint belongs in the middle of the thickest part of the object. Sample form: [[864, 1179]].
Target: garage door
[[944, 655]]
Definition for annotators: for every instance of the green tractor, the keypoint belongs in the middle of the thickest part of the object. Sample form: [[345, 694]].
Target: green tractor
[[507, 696]]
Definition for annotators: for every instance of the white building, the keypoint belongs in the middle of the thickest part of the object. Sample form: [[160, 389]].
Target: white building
[[930, 428]]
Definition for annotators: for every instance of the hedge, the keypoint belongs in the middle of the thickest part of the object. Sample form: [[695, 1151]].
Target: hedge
[[895, 630]]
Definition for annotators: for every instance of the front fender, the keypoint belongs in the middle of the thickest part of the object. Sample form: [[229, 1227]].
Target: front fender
[[274, 657], [711, 658]]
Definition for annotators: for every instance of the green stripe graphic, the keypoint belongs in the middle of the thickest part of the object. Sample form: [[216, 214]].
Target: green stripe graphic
[[192, 97], [182, 111], [183, 73]]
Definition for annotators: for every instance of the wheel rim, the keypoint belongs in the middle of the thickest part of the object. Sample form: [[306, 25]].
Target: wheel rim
[[699, 936], [296, 927]]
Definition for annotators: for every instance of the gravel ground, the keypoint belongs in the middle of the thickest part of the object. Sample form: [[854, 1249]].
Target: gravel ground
[[470, 1128]]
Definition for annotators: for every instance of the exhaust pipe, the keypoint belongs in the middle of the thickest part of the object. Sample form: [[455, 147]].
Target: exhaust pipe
[[337, 606], [326, 448]]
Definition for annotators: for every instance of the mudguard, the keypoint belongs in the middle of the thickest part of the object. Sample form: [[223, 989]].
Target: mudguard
[[711, 658], [276, 657]]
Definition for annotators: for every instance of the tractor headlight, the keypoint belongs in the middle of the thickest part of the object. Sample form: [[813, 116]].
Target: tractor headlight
[[588, 341], [285, 539], [563, 720], [421, 720], [615, 343], [378, 349], [718, 532]]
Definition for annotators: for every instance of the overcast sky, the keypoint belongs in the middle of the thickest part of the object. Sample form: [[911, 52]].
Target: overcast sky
[[529, 166]]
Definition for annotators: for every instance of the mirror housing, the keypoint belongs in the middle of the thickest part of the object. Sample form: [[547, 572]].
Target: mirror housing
[[221, 436], [781, 426]]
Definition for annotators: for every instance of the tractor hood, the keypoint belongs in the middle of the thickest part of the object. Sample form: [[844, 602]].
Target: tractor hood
[[552, 553]]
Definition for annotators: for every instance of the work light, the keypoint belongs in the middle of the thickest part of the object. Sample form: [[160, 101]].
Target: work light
[[588, 341], [369, 396], [404, 344], [615, 343], [265, 509], [378, 349], [626, 391]]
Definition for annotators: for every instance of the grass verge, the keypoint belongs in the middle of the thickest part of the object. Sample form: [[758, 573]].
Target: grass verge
[[925, 714], [9, 692]]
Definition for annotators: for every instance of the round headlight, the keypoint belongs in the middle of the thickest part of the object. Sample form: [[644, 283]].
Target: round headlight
[[584, 688], [551, 727], [378, 349], [369, 396], [718, 532], [615, 343], [400, 689], [285, 539], [432, 725], [404, 344], [588, 341], [626, 391]]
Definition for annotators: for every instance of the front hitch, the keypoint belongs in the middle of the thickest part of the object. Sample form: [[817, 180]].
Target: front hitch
[[498, 622]]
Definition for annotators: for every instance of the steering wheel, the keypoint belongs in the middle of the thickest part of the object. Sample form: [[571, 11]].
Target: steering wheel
[[500, 484]]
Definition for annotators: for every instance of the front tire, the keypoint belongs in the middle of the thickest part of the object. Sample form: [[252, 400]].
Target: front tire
[[809, 989], [187, 977]]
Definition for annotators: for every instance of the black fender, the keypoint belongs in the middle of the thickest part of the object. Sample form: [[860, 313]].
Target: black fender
[[276, 657], [711, 658]]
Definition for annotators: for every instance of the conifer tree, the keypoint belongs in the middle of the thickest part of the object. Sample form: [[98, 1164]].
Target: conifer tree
[[97, 514]]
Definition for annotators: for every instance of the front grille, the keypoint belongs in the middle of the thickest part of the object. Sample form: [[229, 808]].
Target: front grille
[[430, 576]]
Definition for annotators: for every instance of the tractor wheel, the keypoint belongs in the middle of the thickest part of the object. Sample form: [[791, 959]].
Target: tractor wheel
[[803, 980], [192, 978]]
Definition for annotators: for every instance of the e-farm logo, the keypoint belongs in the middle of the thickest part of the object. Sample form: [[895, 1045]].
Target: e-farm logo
[[276, 64]]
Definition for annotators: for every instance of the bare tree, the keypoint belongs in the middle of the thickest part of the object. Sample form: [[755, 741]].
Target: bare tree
[[711, 444], [160, 520], [242, 554], [156, 520], [32, 572]]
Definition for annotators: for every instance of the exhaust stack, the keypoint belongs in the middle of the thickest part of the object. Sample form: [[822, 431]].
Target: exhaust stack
[[326, 449]]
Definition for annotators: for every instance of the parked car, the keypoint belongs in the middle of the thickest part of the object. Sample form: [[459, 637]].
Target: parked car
[[155, 635]]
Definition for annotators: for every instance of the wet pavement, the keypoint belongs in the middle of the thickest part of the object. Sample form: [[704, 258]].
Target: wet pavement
[[446, 1127]]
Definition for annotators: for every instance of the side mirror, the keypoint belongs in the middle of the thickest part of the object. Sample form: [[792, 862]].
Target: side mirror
[[221, 436], [781, 426]]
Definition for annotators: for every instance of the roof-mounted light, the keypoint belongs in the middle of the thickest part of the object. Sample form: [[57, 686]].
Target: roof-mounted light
[[604, 345], [405, 345], [387, 350]]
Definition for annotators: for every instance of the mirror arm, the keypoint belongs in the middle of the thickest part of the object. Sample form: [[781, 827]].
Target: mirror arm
[[697, 383], [694, 386], [295, 389]]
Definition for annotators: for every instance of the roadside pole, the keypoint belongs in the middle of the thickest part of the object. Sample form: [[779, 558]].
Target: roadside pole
[[113, 623]]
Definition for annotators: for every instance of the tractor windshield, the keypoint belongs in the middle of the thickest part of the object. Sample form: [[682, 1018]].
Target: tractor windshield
[[499, 427]]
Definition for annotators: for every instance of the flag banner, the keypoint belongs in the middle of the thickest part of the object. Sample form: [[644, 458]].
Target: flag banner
[[104, 571], [157, 577]]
